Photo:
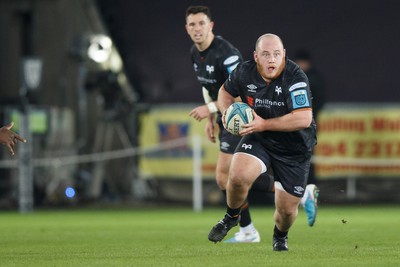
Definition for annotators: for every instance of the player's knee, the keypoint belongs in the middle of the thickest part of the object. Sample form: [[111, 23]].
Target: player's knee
[[238, 180], [221, 179], [286, 211], [221, 183]]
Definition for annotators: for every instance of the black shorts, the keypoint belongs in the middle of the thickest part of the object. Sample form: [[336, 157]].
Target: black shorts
[[227, 141], [291, 171]]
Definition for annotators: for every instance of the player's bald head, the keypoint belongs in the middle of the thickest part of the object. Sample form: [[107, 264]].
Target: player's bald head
[[267, 37]]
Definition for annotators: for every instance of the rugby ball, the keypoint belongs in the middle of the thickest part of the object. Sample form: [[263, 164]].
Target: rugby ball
[[237, 115]]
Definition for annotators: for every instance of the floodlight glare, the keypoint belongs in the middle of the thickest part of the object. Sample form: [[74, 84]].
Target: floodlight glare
[[69, 192], [100, 48]]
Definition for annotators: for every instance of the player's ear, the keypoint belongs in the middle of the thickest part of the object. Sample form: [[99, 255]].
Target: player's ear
[[211, 25], [255, 55]]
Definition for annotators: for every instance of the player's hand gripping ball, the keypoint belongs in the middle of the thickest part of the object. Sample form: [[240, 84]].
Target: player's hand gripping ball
[[237, 115]]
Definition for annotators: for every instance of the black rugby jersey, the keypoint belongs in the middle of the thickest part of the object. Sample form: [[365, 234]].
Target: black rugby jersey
[[290, 91], [213, 65]]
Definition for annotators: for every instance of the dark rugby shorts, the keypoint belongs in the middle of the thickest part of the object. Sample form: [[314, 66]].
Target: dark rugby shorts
[[291, 171], [227, 141]]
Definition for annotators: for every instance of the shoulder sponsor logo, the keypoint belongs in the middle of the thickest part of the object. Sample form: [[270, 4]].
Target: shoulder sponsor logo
[[297, 85], [231, 59], [245, 146]]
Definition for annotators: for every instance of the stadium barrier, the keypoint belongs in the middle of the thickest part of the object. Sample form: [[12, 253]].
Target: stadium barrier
[[195, 142], [354, 142]]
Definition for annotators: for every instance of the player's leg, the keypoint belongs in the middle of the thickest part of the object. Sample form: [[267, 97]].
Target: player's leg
[[244, 171], [247, 232], [291, 175], [286, 210], [265, 183], [228, 144]]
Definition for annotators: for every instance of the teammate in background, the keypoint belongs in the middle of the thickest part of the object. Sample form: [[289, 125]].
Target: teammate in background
[[213, 59], [317, 82], [281, 136], [9, 138]]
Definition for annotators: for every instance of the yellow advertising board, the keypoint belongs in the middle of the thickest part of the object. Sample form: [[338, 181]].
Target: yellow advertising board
[[170, 130], [356, 140]]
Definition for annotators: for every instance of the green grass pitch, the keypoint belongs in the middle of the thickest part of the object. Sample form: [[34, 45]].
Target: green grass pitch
[[342, 236]]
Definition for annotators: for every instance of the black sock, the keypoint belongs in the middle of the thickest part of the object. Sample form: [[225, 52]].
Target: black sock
[[278, 233], [245, 218], [232, 212]]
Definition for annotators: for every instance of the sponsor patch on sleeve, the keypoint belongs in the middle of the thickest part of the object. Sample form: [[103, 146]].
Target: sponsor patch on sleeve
[[230, 60], [297, 85], [299, 99]]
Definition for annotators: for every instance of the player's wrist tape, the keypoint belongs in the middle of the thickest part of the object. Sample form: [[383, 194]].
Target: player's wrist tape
[[206, 96], [212, 107]]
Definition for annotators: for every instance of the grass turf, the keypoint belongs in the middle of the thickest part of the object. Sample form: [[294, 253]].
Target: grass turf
[[342, 236]]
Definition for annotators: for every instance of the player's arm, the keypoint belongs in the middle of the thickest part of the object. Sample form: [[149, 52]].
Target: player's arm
[[206, 110], [9, 138], [225, 99], [211, 105], [210, 128], [296, 120]]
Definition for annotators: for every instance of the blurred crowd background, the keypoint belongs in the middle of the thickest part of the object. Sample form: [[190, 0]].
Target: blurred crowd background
[[96, 76]]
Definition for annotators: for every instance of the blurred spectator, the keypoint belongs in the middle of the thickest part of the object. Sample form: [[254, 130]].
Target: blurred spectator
[[317, 85]]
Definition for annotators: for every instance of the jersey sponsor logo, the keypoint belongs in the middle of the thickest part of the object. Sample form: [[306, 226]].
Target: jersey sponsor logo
[[278, 89], [205, 80], [297, 85], [268, 103], [300, 99], [232, 67], [250, 101], [231, 59], [246, 146], [298, 189]]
